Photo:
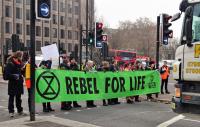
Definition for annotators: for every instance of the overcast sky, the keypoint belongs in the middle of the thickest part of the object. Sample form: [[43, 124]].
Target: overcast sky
[[113, 11]]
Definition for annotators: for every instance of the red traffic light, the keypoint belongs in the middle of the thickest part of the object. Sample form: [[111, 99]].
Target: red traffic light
[[99, 25], [104, 38]]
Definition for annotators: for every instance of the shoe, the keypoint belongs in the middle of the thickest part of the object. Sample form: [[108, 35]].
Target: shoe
[[111, 103], [167, 92], [137, 100], [66, 108], [162, 92], [129, 102], [91, 106], [51, 110], [77, 106], [22, 114], [105, 104], [11, 115], [117, 103], [45, 110]]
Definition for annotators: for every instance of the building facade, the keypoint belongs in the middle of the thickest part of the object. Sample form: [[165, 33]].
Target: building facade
[[63, 27]]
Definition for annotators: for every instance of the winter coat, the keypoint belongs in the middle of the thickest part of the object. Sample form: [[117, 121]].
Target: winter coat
[[15, 78]]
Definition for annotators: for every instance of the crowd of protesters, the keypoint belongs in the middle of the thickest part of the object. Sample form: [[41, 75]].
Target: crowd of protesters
[[17, 70]]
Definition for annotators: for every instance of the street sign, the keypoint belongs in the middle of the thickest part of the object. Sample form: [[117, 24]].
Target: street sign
[[43, 9]]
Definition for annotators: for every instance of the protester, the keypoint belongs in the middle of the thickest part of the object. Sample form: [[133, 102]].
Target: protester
[[74, 67], [65, 65], [151, 67], [46, 65], [13, 73], [164, 71], [113, 68], [129, 100], [89, 68]]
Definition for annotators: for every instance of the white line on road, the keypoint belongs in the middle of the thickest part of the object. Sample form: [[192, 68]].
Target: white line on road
[[171, 121], [78, 110], [192, 120]]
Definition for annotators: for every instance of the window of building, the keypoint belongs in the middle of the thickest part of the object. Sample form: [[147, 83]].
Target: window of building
[[54, 32], [38, 45], [18, 13], [46, 21], [62, 33], [70, 21], [69, 47], [8, 27], [27, 2], [46, 31], [76, 35], [28, 14], [76, 10], [28, 29], [54, 19], [8, 43], [61, 20], [69, 8], [62, 7], [19, 1], [69, 34], [28, 43], [54, 5], [8, 11], [76, 23], [18, 28], [38, 31]]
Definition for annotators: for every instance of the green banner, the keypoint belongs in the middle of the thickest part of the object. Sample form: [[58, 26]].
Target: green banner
[[62, 85]]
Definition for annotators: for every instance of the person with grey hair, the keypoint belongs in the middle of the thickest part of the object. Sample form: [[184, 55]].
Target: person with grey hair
[[89, 68]]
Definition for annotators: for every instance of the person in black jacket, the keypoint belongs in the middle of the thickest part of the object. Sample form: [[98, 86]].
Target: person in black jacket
[[74, 67], [46, 65], [13, 72]]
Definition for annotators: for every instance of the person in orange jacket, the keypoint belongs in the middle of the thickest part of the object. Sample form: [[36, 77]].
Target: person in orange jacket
[[164, 71]]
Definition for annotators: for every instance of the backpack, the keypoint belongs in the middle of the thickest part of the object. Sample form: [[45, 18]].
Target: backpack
[[5, 75]]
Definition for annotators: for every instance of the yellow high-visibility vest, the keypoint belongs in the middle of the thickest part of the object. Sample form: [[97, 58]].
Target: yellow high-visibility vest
[[28, 71]]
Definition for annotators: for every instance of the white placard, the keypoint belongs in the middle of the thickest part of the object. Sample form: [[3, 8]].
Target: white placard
[[50, 52]]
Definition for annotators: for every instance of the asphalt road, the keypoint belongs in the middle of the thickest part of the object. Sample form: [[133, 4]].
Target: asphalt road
[[142, 114]]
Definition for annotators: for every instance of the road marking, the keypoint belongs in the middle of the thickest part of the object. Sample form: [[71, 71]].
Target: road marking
[[171, 121], [192, 120], [78, 110]]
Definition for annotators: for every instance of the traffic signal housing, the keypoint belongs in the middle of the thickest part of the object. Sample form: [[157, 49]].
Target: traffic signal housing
[[166, 33], [43, 9], [98, 34], [91, 38], [15, 42]]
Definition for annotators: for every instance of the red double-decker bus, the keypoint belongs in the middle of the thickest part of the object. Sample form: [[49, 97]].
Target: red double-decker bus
[[123, 56]]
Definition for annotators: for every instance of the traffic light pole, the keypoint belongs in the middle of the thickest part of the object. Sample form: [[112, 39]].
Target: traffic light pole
[[80, 53], [86, 31], [32, 53], [157, 42]]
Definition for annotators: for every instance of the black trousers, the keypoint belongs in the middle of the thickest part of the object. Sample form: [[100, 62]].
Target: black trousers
[[18, 101], [29, 99], [46, 105], [164, 82]]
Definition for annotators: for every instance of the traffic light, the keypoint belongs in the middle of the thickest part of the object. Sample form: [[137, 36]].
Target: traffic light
[[166, 33], [43, 9], [15, 42], [91, 38], [98, 34]]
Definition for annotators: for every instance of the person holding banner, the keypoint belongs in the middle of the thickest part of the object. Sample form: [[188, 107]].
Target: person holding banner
[[89, 68], [46, 65], [74, 67], [129, 100]]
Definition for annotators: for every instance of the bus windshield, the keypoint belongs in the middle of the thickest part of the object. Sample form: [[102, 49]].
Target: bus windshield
[[127, 54], [196, 23]]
